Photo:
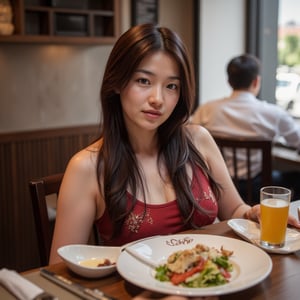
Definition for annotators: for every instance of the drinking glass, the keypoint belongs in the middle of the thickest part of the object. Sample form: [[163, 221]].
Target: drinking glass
[[274, 207]]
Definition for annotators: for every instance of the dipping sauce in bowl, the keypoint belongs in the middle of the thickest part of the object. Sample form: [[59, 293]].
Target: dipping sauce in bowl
[[90, 261], [96, 262]]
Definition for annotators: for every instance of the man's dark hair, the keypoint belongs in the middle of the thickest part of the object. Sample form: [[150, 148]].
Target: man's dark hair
[[242, 70]]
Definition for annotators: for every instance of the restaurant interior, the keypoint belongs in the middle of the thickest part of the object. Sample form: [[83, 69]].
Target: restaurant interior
[[50, 80], [49, 93]]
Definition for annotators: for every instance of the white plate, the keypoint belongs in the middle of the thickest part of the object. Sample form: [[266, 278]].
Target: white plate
[[72, 255], [248, 272], [250, 231]]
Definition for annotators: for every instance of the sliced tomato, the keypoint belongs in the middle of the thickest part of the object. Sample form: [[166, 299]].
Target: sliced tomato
[[225, 273], [177, 278]]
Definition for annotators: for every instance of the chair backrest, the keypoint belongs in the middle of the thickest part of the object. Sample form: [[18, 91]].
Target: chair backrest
[[247, 146], [39, 190]]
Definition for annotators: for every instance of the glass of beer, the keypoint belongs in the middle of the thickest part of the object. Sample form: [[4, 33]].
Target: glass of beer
[[274, 210]]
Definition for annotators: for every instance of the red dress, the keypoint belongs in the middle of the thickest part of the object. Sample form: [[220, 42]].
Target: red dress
[[160, 219]]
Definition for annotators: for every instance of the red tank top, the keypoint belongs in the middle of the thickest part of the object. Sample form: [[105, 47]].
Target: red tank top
[[160, 219]]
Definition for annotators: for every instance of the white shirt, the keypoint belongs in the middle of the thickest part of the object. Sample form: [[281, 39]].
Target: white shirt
[[243, 115]]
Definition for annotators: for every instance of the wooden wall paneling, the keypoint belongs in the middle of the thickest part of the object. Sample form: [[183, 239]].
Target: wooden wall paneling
[[25, 156]]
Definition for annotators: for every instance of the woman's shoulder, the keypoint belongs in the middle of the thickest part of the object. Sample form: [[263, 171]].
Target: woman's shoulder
[[85, 160], [198, 133], [202, 140]]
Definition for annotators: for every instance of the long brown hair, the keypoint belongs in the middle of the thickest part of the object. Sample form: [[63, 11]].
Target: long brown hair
[[117, 164]]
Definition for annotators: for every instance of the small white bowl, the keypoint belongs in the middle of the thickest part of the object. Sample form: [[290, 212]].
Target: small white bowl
[[73, 255]]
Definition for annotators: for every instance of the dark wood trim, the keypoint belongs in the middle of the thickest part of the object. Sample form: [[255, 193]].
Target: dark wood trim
[[45, 133], [197, 49], [261, 40]]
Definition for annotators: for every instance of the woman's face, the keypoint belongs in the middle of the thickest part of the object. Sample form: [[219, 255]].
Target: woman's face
[[152, 92]]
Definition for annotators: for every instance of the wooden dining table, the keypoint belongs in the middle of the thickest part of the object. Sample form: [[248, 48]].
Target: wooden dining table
[[282, 283], [285, 158]]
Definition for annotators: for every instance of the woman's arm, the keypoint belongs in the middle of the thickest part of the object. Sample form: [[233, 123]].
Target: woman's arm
[[77, 203], [230, 204]]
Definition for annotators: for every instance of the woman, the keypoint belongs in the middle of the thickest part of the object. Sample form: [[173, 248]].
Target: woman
[[149, 173]]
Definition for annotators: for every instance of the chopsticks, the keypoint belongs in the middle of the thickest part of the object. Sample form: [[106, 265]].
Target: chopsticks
[[75, 288]]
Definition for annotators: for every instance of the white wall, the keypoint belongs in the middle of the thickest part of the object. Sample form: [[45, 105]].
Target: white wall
[[44, 86], [222, 36]]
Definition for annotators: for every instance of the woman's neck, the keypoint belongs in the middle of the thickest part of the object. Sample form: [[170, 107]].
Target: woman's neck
[[144, 144]]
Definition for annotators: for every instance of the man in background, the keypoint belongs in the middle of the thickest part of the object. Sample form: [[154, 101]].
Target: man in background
[[242, 114]]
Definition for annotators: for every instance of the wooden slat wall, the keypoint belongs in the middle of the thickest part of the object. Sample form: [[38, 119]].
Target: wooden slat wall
[[25, 156]]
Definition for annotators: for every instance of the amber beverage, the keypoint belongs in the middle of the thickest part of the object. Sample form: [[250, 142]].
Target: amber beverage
[[274, 205]]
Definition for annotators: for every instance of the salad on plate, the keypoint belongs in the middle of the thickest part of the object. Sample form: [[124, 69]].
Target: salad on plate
[[200, 266]]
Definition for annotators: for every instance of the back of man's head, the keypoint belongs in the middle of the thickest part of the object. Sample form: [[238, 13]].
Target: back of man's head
[[242, 70]]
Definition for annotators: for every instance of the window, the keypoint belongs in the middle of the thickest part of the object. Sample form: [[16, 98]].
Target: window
[[288, 68]]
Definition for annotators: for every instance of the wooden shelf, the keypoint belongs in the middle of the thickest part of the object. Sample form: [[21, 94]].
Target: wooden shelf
[[52, 21]]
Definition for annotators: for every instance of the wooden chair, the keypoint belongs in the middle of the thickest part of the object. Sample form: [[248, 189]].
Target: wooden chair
[[39, 190], [247, 145]]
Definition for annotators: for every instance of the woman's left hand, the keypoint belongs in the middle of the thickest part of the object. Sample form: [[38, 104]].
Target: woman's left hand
[[253, 213]]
